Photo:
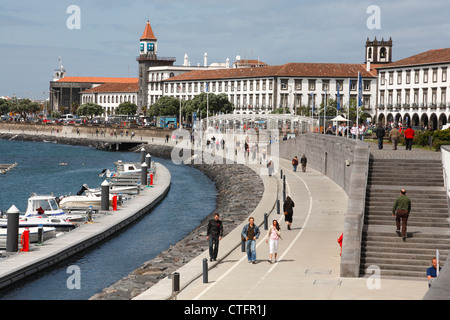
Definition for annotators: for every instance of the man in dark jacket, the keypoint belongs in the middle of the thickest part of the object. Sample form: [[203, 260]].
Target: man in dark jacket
[[214, 233], [380, 132]]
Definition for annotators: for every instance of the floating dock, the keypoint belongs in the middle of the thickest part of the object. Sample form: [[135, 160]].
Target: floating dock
[[5, 167], [20, 265]]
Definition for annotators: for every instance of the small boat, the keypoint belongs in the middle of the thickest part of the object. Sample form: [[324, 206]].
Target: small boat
[[48, 233], [38, 204], [112, 189]]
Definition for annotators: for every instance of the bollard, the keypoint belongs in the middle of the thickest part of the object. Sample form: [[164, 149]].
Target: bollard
[[281, 173], [284, 188], [148, 160], [114, 202], [242, 244], [278, 206], [205, 270], [143, 174], [12, 231], [175, 284], [151, 179], [40, 239], [25, 240], [142, 155], [266, 227], [89, 214], [105, 196]]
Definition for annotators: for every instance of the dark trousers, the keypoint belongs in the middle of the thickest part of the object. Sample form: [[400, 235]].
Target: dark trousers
[[380, 143], [408, 143], [213, 247], [401, 215]]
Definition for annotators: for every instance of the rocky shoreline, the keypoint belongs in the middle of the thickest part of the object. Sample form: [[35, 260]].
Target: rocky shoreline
[[240, 190]]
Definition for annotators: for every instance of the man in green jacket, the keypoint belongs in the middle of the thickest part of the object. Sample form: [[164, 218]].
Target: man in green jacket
[[401, 209]]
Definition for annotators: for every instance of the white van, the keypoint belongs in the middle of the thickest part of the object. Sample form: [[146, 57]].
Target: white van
[[66, 117], [445, 126]]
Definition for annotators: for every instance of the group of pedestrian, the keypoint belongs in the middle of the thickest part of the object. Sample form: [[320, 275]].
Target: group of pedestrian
[[394, 135], [250, 233], [295, 163]]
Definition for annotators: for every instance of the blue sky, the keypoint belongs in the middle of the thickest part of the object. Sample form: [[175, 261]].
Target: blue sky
[[34, 34]]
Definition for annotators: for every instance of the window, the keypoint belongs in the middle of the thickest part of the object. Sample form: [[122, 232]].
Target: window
[[311, 85], [391, 78], [399, 77], [325, 85], [435, 75], [416, 76], [425, 75], [408, 77], [284, 84], [298, 84], [382, 79], [366, 85], [444, 74]]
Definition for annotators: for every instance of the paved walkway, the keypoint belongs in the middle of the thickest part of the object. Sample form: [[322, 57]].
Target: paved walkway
[[309, 255]]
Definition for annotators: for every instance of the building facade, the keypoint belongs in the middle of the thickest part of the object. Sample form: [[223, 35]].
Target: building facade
[[260, 90], [111, 95], [415, 90]]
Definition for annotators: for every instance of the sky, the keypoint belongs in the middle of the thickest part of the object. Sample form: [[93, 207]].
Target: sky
[[101, 37]]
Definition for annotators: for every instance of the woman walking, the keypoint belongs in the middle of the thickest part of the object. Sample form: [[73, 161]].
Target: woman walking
[[273, 235], [288, 208]]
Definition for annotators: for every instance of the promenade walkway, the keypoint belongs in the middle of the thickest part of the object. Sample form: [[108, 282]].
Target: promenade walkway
[[309, 255]]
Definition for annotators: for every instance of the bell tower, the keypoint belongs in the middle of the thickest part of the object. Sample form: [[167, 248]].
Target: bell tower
[[148, 41], [148, 49], [378, 52]]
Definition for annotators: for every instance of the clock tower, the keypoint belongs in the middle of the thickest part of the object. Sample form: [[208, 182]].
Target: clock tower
[[148, 49]]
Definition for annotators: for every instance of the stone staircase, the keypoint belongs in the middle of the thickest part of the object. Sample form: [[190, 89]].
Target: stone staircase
[[428, 224]]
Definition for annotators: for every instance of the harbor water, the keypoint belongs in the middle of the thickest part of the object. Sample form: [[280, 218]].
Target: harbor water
[[46, 168]]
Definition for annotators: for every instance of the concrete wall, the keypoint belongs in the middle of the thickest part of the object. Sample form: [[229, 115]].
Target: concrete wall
[[346, 162]]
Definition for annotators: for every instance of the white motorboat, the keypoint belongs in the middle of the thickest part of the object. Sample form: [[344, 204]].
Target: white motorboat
[[41, 220], [48, 205], [126, 168], [48, 233], [81, 201], [112, 189]]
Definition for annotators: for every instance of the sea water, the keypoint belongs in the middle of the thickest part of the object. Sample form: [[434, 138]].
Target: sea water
[[49, 168]]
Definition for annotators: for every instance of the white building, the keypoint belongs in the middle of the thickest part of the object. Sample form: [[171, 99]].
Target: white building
[[415, 90], [261, 90], [111, 95]]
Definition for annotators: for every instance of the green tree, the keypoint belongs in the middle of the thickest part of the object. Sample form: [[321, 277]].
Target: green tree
[[126, 108], [4, 106], [165, 106], [90, 110], [214, 103]]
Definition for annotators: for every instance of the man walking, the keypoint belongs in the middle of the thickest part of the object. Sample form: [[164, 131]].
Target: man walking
[[401, 209], [303, 161], [409, 136], [214, 233], [380, 132], [394, 135], [250, 233]]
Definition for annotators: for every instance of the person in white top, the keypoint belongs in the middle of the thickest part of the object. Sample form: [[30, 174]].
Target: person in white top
[[273, 235]]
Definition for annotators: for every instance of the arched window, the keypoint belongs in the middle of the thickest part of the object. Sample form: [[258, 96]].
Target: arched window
[[383, 53]]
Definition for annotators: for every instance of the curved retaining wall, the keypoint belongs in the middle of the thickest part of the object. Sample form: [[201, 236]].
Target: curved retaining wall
[[346, 162]]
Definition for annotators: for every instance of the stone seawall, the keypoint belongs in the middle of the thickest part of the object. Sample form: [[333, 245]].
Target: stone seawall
[[239, 188]]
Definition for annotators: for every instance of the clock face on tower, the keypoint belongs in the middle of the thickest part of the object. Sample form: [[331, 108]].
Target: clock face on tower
[[150, 47]]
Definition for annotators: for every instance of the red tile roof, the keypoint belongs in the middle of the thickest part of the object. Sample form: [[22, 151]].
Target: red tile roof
[[328, 70], [148, 32], [98, 79], [428, 57], [115, 87]]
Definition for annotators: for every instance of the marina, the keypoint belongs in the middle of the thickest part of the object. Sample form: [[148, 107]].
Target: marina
[[69, 230]]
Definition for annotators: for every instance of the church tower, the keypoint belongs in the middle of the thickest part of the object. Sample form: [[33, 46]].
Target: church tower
[[378, 52], [148, 57]]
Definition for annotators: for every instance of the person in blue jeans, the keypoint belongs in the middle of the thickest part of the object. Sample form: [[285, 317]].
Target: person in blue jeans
[[250, 233]]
